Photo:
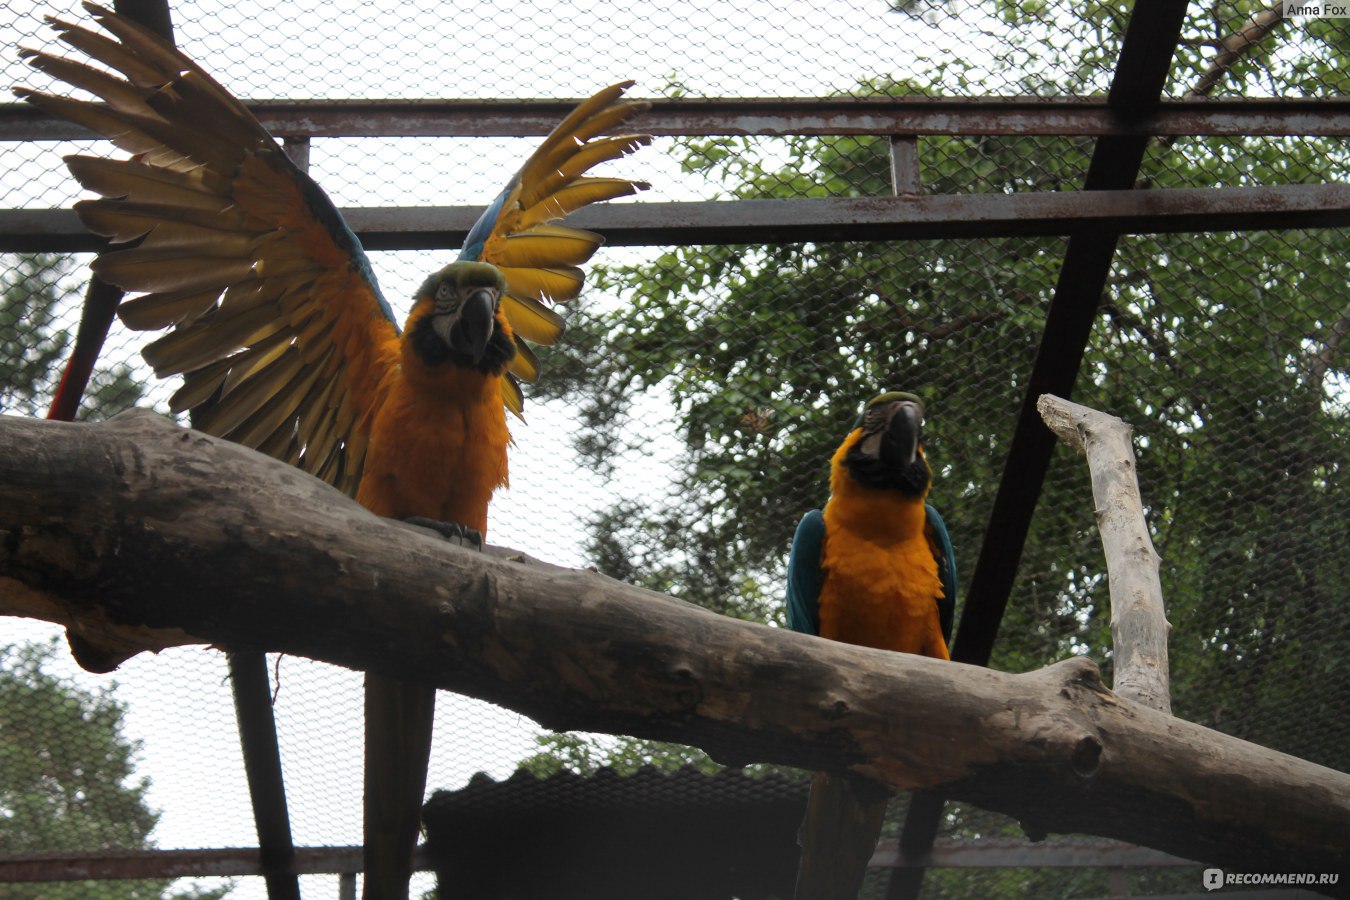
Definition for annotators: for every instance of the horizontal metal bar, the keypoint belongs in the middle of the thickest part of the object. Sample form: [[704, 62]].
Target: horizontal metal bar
[[232, 861], [832, 219], [204, 863], [999, 854], [244, 861], [1327, 117]]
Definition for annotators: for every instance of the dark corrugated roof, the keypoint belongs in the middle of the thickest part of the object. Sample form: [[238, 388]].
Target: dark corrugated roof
[[653, 834]]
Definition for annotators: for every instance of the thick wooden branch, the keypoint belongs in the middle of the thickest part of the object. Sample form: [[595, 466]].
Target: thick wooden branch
[[1139, 624], [138, 525]]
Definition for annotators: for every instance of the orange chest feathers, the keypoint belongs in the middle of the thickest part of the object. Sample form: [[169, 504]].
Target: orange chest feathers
[[880, 581], [437, 450]]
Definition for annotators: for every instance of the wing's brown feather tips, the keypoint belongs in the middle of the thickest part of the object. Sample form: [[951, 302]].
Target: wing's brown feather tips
[[151, 312], [255, 392], [116, 92], [256, 358], [155, 271], [124, 178], [199, 386], [186, 349], [138, 72]]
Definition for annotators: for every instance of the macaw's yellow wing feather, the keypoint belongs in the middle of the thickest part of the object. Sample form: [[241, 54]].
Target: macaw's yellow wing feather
[[548, 245], [558, 284], [517, 233], [512, 395], [525, 365], [571, 167], [532, 320], [277, 326], [579, 193]]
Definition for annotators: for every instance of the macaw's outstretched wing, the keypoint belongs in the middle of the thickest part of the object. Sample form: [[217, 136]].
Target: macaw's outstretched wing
[[517, 232], [804, 575], [941, 544], [278, 326]]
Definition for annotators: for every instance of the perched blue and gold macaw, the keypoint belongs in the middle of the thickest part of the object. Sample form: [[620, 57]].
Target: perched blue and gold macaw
[[285, 343], [876, 568]]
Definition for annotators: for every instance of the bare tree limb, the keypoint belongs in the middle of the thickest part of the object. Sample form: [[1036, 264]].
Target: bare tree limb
[[1139, 623], [1237, 45], [136, 525]]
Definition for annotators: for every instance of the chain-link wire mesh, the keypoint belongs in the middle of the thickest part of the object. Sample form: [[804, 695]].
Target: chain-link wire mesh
[[686, 422]]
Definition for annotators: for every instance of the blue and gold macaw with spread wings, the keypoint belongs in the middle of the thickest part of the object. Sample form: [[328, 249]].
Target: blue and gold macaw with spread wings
[[282, 337]]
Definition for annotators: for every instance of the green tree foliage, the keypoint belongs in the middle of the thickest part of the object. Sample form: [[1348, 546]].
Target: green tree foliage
[[1224, 350], [34, 346], [67, 777], [586, 755]]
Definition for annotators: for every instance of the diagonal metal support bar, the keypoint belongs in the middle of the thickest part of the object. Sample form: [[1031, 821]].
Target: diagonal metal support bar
[[1146, 54]]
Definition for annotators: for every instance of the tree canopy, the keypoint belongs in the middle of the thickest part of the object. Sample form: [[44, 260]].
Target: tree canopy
[[1223, 350], [68, 777], [34, 344]]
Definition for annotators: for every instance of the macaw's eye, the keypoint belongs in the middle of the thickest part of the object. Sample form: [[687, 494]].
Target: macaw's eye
[[445, 291]]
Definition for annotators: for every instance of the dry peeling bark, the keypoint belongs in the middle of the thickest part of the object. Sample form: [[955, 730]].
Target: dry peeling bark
[[139, 529], [1139, 625]]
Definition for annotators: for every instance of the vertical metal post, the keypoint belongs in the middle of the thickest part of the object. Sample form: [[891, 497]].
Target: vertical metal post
[[905, 175], [262, 767]]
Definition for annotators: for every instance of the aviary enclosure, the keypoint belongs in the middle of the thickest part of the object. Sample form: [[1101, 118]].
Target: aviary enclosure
[[1140, 206]]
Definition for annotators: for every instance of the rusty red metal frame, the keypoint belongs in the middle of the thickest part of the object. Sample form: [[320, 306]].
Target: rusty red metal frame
[[245, 861], [978, 116], [910, 217]]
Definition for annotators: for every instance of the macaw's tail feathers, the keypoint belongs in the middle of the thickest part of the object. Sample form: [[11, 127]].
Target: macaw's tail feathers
[[398, 742], [839, 835]]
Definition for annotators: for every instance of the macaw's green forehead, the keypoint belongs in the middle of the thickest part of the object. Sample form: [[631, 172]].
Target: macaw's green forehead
[[466, 274], [888, 397]]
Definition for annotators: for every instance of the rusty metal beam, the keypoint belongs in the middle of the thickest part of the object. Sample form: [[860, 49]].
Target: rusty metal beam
[[227, 862], [826, 219], [1014, 116], [262, 768], [113, 865], [1015, 854]]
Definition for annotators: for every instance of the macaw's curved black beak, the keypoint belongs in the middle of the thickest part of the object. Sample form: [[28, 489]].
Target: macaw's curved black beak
[[473, 328], [904, 427], [893, 438]]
